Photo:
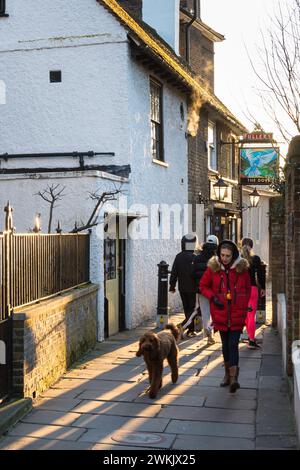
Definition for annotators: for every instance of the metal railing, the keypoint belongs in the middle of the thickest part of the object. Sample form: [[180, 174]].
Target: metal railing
[[34, 266]]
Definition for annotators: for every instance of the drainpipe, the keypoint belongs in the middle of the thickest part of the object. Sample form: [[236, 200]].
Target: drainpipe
[[187, 30]]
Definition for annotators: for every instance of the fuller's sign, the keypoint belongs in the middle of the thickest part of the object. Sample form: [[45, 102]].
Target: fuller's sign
[[259, 165], [258, 137]]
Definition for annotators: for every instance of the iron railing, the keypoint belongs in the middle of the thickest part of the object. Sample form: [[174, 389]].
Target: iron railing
[[34, 266]]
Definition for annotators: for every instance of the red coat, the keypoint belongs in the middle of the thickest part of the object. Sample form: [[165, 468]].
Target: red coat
[[215, 282]]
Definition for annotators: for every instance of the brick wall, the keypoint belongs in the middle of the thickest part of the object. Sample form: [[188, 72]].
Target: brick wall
[[48, 337], [202, 57], [197, 162], [292, 251], [277, 251], [201, 54]]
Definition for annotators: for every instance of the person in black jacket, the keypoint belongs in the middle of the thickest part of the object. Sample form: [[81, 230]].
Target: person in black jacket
[[257, 282], [208, 251], [183, 272]]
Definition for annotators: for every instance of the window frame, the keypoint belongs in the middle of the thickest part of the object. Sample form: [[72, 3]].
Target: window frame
[[158, 154], [3, 8], [212, 145]]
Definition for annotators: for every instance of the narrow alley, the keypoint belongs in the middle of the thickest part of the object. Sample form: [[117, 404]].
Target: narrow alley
[[101, 403]]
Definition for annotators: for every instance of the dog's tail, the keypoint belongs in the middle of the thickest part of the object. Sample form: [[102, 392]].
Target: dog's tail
[[174, 330]]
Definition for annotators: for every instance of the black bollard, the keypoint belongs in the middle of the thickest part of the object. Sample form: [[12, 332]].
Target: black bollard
[[261, 305], [162, 296]]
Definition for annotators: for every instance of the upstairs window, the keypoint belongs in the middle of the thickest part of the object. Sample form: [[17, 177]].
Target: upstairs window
[[212, 146], [2, 8], [156, 120]]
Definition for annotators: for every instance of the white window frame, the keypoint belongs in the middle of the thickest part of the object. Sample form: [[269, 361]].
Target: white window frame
[[212, 146]]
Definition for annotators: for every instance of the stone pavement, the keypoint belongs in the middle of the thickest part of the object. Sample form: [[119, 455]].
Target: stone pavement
[[101, 403]]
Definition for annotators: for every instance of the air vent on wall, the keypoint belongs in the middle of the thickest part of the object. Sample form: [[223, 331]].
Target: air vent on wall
[[55, 76]]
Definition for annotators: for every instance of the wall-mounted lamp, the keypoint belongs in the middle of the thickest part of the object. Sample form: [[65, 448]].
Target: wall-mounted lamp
[[220, 188], [254, 200]]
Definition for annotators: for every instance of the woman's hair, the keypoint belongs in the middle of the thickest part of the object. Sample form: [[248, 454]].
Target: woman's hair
[[247, 241], [227, 246], [246, 250]]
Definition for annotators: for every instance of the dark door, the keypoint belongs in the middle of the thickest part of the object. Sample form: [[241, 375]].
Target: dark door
[[122, 261], [5, 356]]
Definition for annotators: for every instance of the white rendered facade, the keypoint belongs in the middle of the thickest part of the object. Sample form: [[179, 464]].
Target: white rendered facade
[[102, 104]]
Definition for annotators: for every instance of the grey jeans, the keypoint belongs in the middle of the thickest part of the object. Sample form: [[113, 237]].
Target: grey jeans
[[203, 303]]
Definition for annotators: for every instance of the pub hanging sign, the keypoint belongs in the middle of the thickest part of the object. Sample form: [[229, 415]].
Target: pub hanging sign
[[259, 165]]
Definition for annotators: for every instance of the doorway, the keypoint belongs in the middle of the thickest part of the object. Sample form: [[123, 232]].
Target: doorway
[[114, 281]]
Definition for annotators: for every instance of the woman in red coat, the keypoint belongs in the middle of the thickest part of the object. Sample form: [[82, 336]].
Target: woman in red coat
[[226, 283]]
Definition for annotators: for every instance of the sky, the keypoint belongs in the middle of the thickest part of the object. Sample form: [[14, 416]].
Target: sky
[[241, 22]]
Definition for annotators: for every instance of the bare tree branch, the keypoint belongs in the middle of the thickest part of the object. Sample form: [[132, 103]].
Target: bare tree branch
[[51, 194], [279, 55], [101, 199]]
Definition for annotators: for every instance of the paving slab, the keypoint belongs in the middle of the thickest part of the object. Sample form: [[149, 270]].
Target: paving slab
[[106, 424], [126, 396], [275, 383], [71, 383], [271, 366], [119, 376], [208, 414], [65, 433], [62, 393], [230, 402], [183, 379], [276, 442], [172, 400], [217, 429], [215, 382], [117, 409], [221, 393], [219, 372], [273, 401], [59, 418], [279, 421], [212, 443], [57, 404], [117, 448], [32, 443]]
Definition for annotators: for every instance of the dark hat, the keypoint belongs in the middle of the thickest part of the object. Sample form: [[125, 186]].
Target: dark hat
[[233, 246]]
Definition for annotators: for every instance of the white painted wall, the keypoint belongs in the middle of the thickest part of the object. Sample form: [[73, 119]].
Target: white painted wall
[[75, 205], [256, 226], [281, 320], [296, 364], [164, 17], [103, 105], [154, 184]]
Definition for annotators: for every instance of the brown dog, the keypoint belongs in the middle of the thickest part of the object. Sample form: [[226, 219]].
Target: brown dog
[[155, 348]]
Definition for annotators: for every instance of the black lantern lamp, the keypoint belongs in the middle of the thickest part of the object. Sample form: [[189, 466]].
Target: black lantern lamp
[[220, 188], [254, 198]]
